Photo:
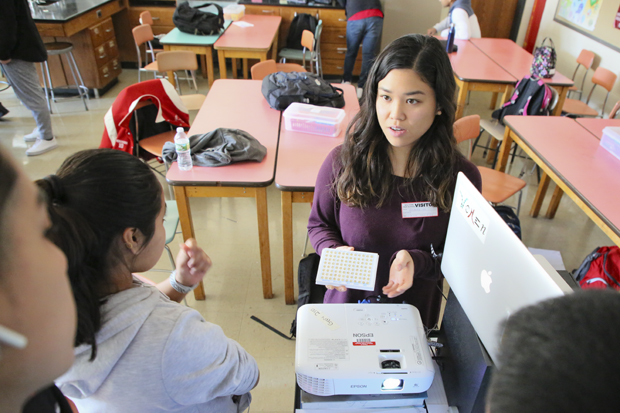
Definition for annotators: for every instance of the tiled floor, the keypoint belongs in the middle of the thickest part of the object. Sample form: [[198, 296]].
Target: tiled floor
[[227, 230]]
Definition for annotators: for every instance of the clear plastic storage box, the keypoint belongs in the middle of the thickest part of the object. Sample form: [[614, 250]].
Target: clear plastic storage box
[[611, 140], [318, 120], [234, 12]]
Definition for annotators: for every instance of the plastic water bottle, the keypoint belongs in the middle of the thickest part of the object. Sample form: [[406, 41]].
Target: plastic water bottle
[[451, 35], [184, 156]]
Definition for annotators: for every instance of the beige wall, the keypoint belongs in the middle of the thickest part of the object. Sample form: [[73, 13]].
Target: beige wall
[[568, 44], [408, 16]]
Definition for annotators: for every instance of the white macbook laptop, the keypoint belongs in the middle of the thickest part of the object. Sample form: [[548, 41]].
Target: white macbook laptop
[[490, 270]]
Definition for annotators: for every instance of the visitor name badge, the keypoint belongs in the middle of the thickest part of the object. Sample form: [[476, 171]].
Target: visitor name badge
[[418, 210]]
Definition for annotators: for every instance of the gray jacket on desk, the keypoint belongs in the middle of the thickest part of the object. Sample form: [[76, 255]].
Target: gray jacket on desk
[[220, 147]]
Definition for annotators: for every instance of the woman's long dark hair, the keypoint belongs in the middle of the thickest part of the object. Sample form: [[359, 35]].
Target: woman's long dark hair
[[366, 173], [95, 195]]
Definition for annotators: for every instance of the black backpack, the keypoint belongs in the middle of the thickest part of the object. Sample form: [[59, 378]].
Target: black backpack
[[301, 22], [309, 291], [510, 217], [531, 97], [190, 20], [283, 88]]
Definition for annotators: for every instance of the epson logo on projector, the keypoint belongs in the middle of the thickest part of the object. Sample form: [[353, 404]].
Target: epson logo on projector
[[363, 335], [358, 386]]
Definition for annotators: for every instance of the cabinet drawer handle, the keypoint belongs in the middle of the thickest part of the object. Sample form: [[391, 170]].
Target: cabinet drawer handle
[[102, 56], [106, 75], [108, 30], [340, 67], [342, 20], [155, 18], [342, 37], [342, 48], [268, 11]]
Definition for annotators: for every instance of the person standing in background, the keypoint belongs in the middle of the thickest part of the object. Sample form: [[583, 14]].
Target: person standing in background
[[21, 46], [462, 15], [364, 26]]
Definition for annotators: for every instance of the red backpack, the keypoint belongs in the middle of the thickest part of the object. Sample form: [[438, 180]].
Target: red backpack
[[600, 269]]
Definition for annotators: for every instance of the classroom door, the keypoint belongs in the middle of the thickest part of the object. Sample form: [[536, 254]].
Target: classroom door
[[495, 16]]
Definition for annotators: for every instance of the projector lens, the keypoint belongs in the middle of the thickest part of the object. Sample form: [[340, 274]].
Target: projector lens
[[392, 384]]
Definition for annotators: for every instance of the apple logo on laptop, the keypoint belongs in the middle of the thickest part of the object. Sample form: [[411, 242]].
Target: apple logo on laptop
[[485, 280]]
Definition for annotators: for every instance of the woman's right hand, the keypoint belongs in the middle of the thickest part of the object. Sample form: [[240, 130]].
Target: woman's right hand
[[431, 32], [340, 288]]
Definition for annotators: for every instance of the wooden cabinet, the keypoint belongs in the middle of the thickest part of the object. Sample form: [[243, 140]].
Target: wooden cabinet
[[96, 52], [333, 38], [495, 17], [334, 43]]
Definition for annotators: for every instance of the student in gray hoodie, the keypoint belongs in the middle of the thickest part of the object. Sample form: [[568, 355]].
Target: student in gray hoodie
[[137, 349]]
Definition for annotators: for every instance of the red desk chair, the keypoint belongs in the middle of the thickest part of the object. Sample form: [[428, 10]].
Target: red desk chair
[[497, 186], [585, 59], [262, 69], [576, 108]]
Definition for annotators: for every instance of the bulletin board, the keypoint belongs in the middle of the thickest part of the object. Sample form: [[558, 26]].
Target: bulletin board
[[596, 19]]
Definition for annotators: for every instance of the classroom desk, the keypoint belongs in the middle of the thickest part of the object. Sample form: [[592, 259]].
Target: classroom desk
[[235, 104], [517, 61], [596, 126], [248, 42], [475, 71], [300, 156], [201, 45], [572, 157]]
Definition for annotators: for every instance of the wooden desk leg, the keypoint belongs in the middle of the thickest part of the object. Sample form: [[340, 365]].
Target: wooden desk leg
[[234, 67], [504, 152], [210, 74], [561, 98], [187, 227], [263, 237], [555, 202], [245, 68], [170, 75], [204, 69], [493, 100], [221, 57], [287, 246], [540, 194], [492, 149], [461, 100], [274, 52]]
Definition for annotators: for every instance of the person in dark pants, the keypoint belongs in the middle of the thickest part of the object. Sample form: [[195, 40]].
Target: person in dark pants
[[21, 46], [364, 26]]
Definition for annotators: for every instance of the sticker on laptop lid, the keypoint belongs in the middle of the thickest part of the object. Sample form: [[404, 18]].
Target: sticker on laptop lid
[[477, 220]]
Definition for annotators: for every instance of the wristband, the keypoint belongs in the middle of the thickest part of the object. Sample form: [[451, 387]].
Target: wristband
[[183, 289]]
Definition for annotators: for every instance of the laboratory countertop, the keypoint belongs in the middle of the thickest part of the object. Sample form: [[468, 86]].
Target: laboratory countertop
[[62, 10]]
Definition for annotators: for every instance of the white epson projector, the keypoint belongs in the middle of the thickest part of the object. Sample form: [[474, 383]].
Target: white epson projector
[[348, 349]]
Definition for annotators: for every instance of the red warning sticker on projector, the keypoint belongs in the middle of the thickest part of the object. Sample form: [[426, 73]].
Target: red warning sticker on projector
[[364, 342]]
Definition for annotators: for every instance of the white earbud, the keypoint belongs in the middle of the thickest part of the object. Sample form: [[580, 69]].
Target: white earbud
[[12, 338]]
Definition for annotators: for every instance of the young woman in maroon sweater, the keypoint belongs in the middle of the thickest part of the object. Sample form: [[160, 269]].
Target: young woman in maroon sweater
[[388, 189]]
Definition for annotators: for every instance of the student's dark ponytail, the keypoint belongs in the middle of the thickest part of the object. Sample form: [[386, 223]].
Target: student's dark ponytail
[[95, 195]]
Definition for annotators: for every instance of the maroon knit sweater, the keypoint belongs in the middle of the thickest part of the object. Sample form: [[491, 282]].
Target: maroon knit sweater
[[384, 231]]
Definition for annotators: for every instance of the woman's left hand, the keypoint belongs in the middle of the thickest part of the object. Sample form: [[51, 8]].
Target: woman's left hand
[[401, 275], [192, 263]]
